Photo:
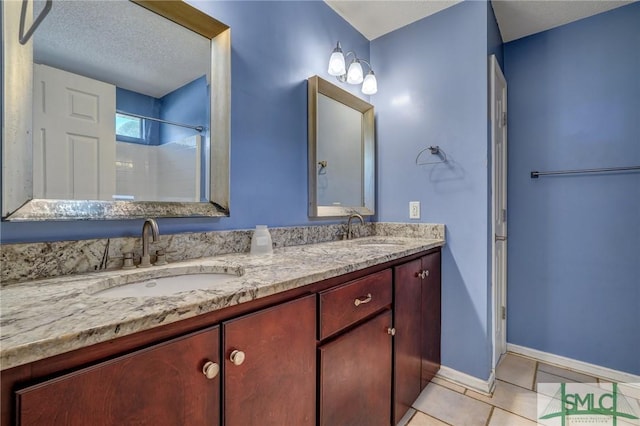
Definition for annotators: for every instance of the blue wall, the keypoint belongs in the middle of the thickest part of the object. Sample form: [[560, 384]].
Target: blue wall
[[574, 241], [188, 104], [433, 91], [185, 105], [276, 46]]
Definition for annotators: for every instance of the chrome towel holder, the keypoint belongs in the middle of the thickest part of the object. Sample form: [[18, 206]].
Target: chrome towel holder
[[434, 150], [535, 174]]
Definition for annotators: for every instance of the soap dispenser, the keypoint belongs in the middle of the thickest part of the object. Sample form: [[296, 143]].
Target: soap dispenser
[[261, 241]]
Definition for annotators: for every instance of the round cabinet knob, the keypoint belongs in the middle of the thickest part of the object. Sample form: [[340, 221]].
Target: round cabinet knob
[[210, 369], [237, 357], [422, 274], [391, 331]]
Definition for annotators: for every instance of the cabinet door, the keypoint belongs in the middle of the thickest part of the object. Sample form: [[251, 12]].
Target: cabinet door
[[407, 345], [273, 378], [161, 385], [431, 306], [355, 376]]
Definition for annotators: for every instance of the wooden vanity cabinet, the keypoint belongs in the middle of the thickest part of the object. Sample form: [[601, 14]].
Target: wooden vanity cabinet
[[354, 384], [321, 354], [270, 361], [269, 370], [161, 385], [417, 322]]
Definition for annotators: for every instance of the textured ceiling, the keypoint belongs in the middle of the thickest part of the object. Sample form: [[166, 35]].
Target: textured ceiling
[[520, 18], [516, 18], [121, 43]]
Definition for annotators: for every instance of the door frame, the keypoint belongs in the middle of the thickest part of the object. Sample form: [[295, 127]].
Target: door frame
[[495, 72]]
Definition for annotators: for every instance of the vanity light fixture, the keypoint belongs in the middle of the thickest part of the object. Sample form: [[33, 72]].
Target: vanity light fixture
[[353, 74]]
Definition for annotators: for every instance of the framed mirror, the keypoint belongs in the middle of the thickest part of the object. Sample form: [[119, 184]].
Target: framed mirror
[[341, 152], [114, 110]]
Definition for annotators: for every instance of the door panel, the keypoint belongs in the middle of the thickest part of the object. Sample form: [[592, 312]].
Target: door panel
[[355, 376], [276, 382], [407, 341], [499, 136], [162, 385], [74, 136], [85, 167], [431, 314]]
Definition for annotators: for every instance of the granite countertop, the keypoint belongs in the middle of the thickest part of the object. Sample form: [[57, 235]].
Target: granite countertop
[[42, 318]]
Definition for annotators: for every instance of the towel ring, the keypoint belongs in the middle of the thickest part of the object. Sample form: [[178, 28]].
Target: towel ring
[[435, 150]]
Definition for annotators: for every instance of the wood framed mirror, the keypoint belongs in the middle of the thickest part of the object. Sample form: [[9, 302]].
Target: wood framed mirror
[[25, 195], [341, 152]]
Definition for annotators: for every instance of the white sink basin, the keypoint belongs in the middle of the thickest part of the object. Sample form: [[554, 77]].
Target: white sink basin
[[178, 281], [379, 243]]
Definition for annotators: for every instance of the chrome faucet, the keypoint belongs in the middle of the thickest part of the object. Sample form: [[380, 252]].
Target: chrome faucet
[[349, 231], [149, 224]]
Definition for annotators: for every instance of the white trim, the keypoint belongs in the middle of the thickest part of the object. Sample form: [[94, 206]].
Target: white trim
[[495, 72], [494, 304], [483, 386], [574, 364]]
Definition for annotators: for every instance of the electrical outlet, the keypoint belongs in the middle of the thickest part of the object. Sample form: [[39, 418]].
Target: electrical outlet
[[414, 209]]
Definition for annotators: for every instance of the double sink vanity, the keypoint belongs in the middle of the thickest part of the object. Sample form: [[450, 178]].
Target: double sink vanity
[[334, 333]]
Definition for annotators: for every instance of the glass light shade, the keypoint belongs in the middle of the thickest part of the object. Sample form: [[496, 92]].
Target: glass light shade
[[354, 75], [370, 84], [336, 63]]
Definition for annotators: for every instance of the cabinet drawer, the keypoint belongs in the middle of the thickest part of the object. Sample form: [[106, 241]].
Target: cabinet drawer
[[343, 306]]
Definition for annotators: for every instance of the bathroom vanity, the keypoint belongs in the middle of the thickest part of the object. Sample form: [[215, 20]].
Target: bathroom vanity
[[330, 334]]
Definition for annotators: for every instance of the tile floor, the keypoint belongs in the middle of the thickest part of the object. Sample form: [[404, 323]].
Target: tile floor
[[513, 402]]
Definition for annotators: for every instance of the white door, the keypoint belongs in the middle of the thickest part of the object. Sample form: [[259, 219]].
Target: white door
[[499, 178], [74, 136]]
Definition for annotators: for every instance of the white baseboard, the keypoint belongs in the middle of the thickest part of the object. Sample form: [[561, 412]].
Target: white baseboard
[[487, 386], [574, 364], [470, 382]]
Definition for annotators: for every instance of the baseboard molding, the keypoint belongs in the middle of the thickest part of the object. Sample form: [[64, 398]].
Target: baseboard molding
[[574, 364], [471, 382]]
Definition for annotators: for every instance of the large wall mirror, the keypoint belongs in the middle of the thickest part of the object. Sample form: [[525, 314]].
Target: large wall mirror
[[114, 109], [341, 152]]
